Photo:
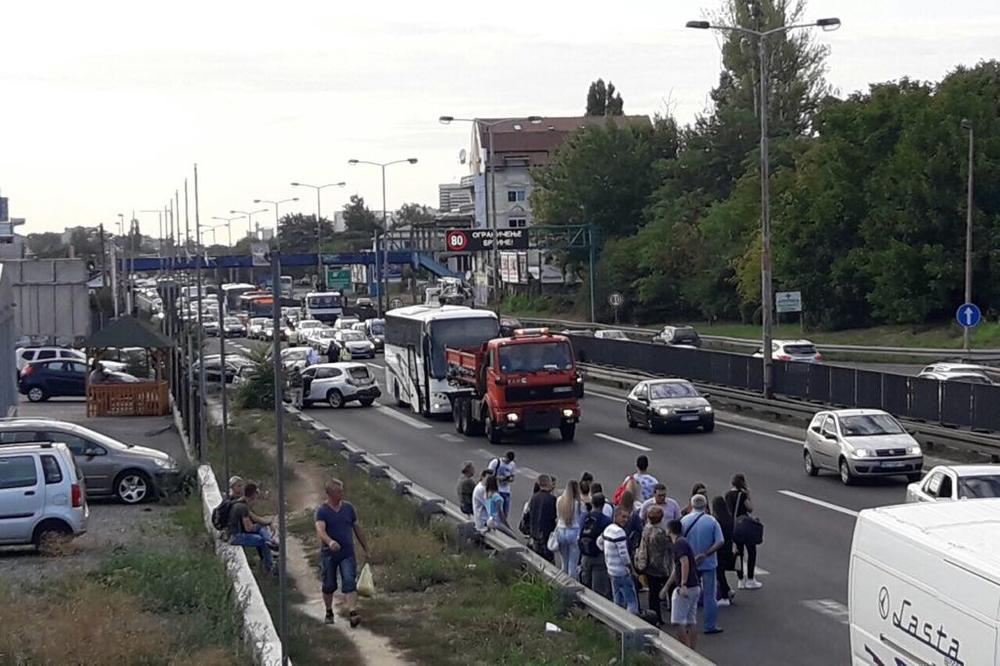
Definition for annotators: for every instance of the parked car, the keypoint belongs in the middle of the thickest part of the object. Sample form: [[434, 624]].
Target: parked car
[[801, 351], [678, 336], [296, 356], [233, 328], [610, 334], [256, 325], [375, 330], [110, 468], [345, 323], [321, 338], [41, 494], [213, 364], [364, 308], [298, 334], [26, 355], [357, 345], [42, 380], [954, 482], [340, 383], [860, 443], [209, 325], [657, 404]]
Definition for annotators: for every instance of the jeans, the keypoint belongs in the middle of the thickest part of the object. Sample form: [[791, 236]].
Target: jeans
[[569, 549], [624, 594], [506, 503], [264, 531], [257, 541], [656, 584], [594, 574], [710, 602], [348, 568]]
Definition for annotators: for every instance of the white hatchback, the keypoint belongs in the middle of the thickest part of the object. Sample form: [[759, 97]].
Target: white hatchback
[[860, 442], [801, 351], [955, 482]]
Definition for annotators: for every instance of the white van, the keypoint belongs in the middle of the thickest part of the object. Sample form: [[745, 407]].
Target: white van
[[925, 585]]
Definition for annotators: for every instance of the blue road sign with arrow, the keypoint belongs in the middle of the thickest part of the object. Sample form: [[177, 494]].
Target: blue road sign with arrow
[[968, 315]]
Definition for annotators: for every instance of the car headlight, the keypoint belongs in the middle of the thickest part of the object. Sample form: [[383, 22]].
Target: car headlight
[[913, 450], [663, 411], [708, 409], [512, 418], [862, 453], [164, 464], [568, 413]]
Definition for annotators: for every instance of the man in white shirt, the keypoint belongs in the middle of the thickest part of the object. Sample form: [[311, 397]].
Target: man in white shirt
[[505, 470], [479, 512]]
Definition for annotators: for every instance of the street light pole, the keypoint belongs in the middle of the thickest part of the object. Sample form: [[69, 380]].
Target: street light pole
[[385, 233], [767, 293], [319, 228], [966, 330], [279, 426]]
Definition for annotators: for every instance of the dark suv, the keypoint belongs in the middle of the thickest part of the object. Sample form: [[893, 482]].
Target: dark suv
[[678, 336]]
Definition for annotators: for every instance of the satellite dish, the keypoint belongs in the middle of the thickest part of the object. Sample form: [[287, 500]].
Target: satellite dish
[[461, 156]]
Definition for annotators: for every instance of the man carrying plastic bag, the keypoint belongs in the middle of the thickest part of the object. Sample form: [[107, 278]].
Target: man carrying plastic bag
[[337, 526]]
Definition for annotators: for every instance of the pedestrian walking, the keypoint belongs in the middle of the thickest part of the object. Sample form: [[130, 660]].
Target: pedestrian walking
[[686, 586], [727, 556], [337, 526], [542, 517], [652, 559], [466, 486], [295, 386], [593, 570], [569, 512], [702, 531], [738, 501], [244, 532], [479, 511], [618, 562], [671, 509], [504, 469]]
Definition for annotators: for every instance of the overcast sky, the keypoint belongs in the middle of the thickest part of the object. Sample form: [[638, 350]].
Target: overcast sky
[[106, 105]]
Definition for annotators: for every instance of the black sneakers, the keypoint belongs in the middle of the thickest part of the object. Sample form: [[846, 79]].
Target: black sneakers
[[329, 617]]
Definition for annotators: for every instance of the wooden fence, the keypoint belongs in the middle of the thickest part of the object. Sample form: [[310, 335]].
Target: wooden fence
[[134, 399]]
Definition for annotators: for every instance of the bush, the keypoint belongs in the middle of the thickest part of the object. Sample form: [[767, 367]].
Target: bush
[[257, 392]]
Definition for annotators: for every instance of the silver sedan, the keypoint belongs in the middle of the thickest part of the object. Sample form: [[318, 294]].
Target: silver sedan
[[860, 442]]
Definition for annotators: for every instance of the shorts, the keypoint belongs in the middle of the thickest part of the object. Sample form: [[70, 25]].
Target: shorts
[[684, 610], [348, 568]]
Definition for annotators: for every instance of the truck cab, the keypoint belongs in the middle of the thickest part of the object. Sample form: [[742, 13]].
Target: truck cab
[[527, 382]]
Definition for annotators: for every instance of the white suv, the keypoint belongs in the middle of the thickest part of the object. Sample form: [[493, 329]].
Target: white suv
[[26, 355], [41, 494]]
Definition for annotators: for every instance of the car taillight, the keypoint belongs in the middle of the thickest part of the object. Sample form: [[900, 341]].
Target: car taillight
[[77, 496], [783, 357], [28, 369], [819, 357]]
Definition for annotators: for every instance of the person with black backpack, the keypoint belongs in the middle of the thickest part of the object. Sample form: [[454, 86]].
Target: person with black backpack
[[593, 570]]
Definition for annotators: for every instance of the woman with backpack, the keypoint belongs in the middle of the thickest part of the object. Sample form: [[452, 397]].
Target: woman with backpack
[[738, 501], [727, 558], [569, 513], [653, 558]]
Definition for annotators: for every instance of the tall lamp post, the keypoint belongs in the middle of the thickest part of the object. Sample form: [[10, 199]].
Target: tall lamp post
[[161, 236], [490, 202], [767, 293], [279, 425], [228, 221], [249, 215], [319, 228], [385, 232], [967, 331]]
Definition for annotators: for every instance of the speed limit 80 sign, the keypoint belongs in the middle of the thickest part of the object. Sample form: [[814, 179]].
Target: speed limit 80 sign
[[457, 240]]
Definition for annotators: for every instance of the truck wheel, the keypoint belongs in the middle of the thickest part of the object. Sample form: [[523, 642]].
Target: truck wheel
[[567, 431], [493, 433], [458, 414]]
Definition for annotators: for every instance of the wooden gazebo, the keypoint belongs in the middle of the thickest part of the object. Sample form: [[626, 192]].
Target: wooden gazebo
[[149, 397]]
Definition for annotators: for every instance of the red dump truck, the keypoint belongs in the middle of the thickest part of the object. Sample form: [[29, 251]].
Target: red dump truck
[[524, 383]]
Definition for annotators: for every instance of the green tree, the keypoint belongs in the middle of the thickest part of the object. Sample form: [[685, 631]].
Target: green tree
[[358, 218], [297, 232], [602, 100], [413, 214], [46, 245]]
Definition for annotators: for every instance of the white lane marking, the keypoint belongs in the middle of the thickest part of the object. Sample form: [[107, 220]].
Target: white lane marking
[[413, 423], [448, 437], [526, 472], [819, 502], [623, 442], [390, 453], [726, 424], [830, 608]]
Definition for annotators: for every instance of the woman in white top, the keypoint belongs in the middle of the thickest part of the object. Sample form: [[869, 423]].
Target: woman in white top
[[570, 511]]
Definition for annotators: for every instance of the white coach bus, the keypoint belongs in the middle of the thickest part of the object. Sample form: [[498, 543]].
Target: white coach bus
[[415, 342]]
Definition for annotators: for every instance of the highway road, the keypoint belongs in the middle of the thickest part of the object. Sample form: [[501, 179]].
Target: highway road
[[799, 615]]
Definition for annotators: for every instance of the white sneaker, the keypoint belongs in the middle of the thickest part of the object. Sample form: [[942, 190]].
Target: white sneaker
[[723, 602], [752, 584], [740, 585]]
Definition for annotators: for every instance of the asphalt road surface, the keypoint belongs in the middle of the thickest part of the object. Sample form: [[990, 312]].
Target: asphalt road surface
[[799, 616]]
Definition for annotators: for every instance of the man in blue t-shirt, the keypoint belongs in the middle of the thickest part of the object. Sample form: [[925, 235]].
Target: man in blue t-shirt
[[336, 527], [705, 536]]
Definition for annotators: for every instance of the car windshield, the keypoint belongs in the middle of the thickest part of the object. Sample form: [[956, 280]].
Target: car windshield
[[667, 390], [351, 336], [800, 350], [259, 321], [294, 354], [973, 487], [535, 356], [867, 425], [458, 333], [232, 321]]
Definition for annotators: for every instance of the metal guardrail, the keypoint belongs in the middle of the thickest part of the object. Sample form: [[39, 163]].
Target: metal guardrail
[[912, 352], [636, 633], [955, 438]]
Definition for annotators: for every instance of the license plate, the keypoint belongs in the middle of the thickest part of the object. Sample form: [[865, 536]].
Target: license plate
[[692, 417], [893, 465]]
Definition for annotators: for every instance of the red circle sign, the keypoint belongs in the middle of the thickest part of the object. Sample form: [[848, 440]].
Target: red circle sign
[[457, 240]]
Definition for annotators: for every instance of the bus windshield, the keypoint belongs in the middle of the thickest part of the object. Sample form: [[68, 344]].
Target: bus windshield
[[263, 307], [324, 301], [535, 356], [458, 333]]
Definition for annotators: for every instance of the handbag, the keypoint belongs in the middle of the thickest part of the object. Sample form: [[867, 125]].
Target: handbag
[[748, 530], [553, 543]]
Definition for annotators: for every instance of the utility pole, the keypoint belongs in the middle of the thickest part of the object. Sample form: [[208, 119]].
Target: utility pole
[[222, 378], [966, 330], [199, 260]]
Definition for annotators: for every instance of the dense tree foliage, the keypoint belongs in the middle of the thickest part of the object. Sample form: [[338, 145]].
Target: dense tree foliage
[[602, 100], [358, 217], [297, 232], [867, 192]]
